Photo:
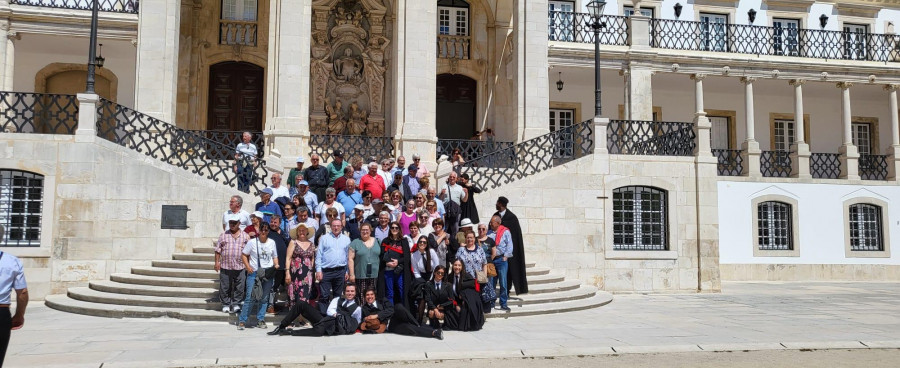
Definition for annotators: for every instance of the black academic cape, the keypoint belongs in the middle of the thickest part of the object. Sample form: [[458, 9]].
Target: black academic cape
[[467, 208], [516, 272], [406, 267], [471, 313]]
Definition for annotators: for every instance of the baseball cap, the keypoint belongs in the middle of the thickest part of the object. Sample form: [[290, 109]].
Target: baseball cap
[[300, 159], [233, 218], [267, 191], [303, 182], [337, 153], [359, 207], [257, 214]]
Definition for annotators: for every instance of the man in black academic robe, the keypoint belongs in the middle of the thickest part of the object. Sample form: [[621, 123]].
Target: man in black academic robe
[[516, 273]]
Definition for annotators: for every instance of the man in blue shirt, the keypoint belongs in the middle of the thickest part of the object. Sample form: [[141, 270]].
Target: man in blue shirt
[[266, 206], [503, 239], [308, 196], [331, 263], [12, 276], [349, 197]]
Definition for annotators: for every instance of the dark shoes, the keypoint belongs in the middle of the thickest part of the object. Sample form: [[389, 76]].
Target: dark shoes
[[505, 308], [277, 331], [438, 334]]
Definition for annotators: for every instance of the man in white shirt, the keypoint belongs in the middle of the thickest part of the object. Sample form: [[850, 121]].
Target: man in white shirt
[[278, 190], [12, 277], [304, 217], [259, 255], [235, 208], [386, 171], [345, 306]]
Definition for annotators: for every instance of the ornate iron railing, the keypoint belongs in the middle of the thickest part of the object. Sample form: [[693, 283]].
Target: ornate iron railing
[[873, 167], [654, 138], [178, 147], [747, 39], [731, 163], [230, 139], [351, 145], [576, 27], [42, 113], [237, 32], [469, 149], [825, 165], [116, 6], [453, 47], [775, 164], [531, 156]]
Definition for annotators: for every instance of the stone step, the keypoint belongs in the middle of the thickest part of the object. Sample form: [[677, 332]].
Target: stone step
[[534, 271], [202, 257], [66, 304], [185, 265], [94, 296], [164, 291], [598, 300], [130, 278], [564, 285], [544, 279], [175, 272], [205, 250], [582, 292]]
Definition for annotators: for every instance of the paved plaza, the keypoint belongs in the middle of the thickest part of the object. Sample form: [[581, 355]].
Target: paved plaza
[[745, 316]]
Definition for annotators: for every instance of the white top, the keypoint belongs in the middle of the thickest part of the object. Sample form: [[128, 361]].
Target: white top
[[418, 262], [311, 222], [454, 193], [320, 211], [387, 176], [246, 149], [12, 276], [245, 218], [368, 211], [266, 253], [279, 192]]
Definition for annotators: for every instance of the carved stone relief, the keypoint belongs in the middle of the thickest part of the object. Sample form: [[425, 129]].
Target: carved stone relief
[[348, 67]]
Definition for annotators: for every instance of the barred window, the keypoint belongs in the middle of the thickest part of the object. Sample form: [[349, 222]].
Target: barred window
[[775, 230], [865, 228], [640, 218], [21, 201]]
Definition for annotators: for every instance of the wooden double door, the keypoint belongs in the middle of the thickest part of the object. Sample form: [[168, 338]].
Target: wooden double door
[[456, 102], [236, 93]]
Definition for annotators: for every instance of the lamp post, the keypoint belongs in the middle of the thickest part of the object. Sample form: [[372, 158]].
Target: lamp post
[[595, 8], [92, 54]]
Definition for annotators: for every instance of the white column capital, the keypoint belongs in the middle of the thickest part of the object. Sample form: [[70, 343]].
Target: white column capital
[[844, 85], [797, 82], [748, 80], [698, 77], [892, 87]]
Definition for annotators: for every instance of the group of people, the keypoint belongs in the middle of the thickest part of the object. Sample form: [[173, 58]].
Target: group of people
[[354, 251]]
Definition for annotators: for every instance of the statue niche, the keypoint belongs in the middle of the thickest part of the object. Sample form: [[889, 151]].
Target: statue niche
[[348, 67]]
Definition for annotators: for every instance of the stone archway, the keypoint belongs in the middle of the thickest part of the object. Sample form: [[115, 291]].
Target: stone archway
[[70, 78]]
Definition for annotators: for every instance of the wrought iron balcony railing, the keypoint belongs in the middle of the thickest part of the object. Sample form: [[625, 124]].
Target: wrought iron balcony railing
[[747, 39], [42, 113], [653, 138], [469, 149], [873, 167], [352, 145], [229, 139], [179, 147], [731, 163], [576, 27], [453, 47], [530, 157], [115, 6], [825, 165], [775, 164], [237, 32]]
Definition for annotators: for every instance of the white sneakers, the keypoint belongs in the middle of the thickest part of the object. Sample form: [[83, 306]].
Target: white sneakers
[[225, 309]]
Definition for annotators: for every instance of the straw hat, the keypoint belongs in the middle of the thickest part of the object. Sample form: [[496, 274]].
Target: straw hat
[[310, 232]]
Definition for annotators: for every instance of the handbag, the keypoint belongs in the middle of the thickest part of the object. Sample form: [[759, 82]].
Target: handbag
[[481, 277], [491, 270]]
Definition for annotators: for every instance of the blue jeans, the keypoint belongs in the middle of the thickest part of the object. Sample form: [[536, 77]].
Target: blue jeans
[[393, 287], [249, 302], [501, 266]]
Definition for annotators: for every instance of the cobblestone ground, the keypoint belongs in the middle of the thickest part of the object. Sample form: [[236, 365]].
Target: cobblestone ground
[[745, 316]]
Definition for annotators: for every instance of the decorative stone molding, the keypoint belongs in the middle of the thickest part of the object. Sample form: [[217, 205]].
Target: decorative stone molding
[[797, 82], [891, 87], [844, 85], [748, 80]]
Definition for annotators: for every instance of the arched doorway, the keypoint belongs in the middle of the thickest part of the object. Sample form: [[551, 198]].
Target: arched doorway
[[456, 100], [236, 91]]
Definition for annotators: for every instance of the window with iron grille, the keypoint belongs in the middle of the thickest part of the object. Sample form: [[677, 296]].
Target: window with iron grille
[[865, 228], [21, 202], [640, 218], [775, 227]]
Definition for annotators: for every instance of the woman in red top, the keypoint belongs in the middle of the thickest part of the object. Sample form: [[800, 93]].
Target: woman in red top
[[255, 220]]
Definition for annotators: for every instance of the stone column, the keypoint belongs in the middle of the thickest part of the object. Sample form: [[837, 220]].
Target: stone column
[[799, 149], [4, 62], [10, 68], [156, 82], [640, 93], [87, 117], [893, 151], [702, 125], [849, 153], [415, 72], [287, 79], [531, 27], [638, 30], [750, 146]]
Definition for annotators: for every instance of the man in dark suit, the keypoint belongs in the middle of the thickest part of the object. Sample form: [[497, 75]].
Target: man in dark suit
[[516, 273], [379, 316]]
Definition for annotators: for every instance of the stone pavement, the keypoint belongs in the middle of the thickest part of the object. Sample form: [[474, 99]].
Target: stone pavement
[[746, 316]]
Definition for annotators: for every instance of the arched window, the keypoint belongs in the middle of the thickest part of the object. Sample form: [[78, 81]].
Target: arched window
[[866, 227], [453, 17], [21, 202], [775, 226], [640, 218], [244, 10]]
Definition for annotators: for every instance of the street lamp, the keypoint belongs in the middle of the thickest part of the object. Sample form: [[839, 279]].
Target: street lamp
[[595, 8], [92, 53]]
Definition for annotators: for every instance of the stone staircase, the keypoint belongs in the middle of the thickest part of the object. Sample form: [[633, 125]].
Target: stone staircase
[[186, 288]]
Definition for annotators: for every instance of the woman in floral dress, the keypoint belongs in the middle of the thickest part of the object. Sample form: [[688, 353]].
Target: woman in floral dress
[[300, 274]]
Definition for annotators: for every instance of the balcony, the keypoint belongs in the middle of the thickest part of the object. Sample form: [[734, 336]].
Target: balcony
[[237, 32], [453, 47], [115, 6], [576, 27]]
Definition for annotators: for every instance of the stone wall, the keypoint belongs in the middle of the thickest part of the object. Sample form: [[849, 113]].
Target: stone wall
[[102, 208]]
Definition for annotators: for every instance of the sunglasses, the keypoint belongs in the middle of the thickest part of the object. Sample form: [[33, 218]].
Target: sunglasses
[[395, 228]]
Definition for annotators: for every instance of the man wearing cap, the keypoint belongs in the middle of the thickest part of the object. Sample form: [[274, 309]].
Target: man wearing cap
[[229, 265], [316, 176], [235, 208], [267, 206], [336, 167], [296, 172], [310, 198], [411, 184], [349, 197], [357, 220]]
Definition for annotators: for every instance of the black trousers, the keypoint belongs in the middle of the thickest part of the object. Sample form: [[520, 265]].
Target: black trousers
[[403, 323], [308, 312], [5, 330]]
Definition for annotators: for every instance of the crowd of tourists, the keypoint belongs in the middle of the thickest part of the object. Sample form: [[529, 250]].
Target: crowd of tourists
[[376, 248]]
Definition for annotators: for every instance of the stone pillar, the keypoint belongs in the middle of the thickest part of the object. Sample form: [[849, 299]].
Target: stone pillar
[[750, 146], [531, 27], [600, 125], [287, 79], [4, 62], [799, 149], [156, 83], [849, 153], [415, 72], [702, 125], [893, 151], [640, 94], [638, 30], [87, 117]]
